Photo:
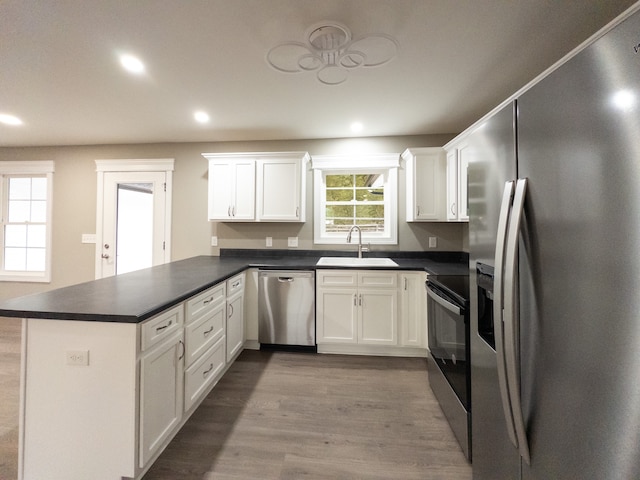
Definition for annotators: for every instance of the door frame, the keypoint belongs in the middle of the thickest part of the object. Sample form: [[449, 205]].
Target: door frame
[[162, 165]]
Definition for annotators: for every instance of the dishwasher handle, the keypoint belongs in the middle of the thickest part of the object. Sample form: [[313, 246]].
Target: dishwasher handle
[[285, 279]]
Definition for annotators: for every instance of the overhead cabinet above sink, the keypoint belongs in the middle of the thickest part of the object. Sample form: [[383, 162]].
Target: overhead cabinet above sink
[[257, 187]]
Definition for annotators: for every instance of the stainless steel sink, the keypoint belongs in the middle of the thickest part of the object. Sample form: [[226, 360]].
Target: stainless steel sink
[[355, 262]]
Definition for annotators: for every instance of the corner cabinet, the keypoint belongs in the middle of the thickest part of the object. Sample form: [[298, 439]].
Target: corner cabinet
[[426, 174], [257, 187]]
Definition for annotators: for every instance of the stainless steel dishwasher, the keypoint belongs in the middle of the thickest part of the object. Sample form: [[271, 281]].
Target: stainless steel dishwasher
[[286, 309]]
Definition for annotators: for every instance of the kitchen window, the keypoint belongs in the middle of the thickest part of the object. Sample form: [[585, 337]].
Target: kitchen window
[[25, 221], [360, 191]]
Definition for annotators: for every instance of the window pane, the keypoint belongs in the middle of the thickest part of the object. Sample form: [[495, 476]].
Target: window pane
[[339, 211], [19, 211], [15, 258], [15, 236], [370, 211], [39, 211], [39, 188], [369, 195], [19, 188], [339, 195], [37, 236], [339, 180], [35, 259]]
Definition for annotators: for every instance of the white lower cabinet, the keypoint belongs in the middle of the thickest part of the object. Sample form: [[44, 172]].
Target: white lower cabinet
[[235, 316], [370, 312], [206, 370], [161, 373], [413, 309]]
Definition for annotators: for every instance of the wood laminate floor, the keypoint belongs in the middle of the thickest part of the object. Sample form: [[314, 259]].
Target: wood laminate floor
[[280, 415]]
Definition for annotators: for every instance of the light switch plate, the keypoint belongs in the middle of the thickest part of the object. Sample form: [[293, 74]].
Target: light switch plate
[[269, 242], [214, 241], [433, 242], [292, 241]]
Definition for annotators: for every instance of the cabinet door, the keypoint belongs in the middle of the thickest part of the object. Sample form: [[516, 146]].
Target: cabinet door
[[426, 184], [161, 394], [452, 185], [244, 193], [463, 185], [413, 310], [221, 189], [279, 190], [378, 316], [336, 319], [235, 326]]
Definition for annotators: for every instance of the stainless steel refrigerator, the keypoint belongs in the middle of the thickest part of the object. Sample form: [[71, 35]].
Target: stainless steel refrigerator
[[554, 240]]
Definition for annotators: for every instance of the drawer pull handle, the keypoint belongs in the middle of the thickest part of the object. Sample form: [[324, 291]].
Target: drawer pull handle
[[159, 329], [209, 300], [208, 331], [206, 372], [184, 350], [236, 284]]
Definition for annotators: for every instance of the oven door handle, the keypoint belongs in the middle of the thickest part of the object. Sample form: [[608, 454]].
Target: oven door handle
[[442, 302]]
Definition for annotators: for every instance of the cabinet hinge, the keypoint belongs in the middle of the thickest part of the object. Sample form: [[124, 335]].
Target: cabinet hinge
[[164, 245], [164, 185]]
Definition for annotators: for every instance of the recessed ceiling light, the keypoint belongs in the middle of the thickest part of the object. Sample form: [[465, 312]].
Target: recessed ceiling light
[[201, 117], [356, 127], [9, 119], [132, 64]]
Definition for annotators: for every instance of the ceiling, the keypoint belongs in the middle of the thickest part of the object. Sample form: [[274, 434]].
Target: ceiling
[[455, 61]]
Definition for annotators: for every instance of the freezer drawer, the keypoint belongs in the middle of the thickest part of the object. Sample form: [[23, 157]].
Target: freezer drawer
[[286, 308]]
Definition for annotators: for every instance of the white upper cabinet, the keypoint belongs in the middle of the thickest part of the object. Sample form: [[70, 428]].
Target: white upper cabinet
[[457, 164], [232, 189], [426, 173], [260, 187]]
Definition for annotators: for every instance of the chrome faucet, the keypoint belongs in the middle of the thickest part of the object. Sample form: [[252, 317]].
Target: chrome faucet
[[359, 239]]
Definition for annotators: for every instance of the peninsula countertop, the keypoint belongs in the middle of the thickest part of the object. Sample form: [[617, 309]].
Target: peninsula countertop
[[137, 296]]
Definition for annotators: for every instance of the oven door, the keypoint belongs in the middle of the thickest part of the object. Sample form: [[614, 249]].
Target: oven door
[[448, 341]]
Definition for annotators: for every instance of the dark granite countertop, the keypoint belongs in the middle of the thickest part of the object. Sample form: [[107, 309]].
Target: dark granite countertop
[[137, 296]]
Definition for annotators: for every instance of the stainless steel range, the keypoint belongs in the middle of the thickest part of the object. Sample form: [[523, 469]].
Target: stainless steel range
[[449, 365]]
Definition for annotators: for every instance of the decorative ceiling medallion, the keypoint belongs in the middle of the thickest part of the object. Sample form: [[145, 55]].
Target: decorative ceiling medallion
[[331, 53]]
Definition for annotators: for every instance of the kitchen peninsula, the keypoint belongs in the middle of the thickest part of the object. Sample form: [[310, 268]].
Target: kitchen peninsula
[[108, 372]]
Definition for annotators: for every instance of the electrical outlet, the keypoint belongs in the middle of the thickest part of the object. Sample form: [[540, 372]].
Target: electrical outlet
[[78, 357], [433, 242], [292, 241], [88, 238], [214, 241], [269, 242]]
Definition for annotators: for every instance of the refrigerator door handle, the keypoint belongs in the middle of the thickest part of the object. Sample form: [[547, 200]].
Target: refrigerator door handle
[[511, 317], [503, 222]]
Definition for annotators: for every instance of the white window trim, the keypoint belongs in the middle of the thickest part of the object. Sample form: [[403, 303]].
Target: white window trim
[[41, 167], [387, 164]]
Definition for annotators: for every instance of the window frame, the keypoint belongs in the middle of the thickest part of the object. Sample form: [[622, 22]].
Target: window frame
[[26, 169], [385, 164]]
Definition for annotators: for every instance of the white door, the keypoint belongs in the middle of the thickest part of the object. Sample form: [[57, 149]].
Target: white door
[[133, 227]]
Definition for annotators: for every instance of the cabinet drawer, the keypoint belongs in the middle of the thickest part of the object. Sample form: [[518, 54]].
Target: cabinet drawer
[[204, 302], [343, 278], [235, 284], [373, 278], [204, 332], [203, 373], [162, 326]]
